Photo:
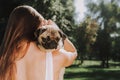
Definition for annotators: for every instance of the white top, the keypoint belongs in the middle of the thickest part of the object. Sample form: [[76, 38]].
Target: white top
[[49, 66]]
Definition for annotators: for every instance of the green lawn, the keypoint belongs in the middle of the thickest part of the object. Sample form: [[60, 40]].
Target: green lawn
[[91, 70]]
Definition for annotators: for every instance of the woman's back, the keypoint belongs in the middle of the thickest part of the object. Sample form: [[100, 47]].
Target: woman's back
[[33, 65], [22, 24]]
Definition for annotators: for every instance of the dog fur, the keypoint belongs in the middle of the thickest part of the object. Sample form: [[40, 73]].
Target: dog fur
[[50, 37]]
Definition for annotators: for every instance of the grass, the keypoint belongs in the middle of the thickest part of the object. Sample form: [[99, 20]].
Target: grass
[[90, 70]]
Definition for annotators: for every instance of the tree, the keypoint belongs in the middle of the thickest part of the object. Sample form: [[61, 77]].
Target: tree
[[60, 11], [86, 35], [107, 13]]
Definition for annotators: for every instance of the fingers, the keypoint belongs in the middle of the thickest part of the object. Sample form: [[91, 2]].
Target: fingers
[[44, 22], [47, 22], [50, 22]]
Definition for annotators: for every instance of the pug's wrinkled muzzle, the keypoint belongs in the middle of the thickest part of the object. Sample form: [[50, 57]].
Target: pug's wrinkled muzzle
[[52, 44]]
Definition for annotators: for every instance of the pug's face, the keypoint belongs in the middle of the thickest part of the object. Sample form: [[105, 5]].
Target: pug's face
[[50, 37]]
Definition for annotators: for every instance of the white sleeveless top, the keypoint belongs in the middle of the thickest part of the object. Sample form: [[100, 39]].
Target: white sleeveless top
[[49, 68]]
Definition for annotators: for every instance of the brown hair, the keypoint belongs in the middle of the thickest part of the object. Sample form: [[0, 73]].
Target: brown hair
[[22, 23]]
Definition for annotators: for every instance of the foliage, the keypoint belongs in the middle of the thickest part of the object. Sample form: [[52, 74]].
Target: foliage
[[59, 11], [86, 35], [107, 13], [116, 49]]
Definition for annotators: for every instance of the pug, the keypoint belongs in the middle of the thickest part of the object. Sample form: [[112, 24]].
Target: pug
[[50, 37]]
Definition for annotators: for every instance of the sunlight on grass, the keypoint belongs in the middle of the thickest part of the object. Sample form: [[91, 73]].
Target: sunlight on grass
[[90, 70]]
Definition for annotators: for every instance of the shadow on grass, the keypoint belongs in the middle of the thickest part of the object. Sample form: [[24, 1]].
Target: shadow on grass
[[95, 74], [73, 66], [99, 66], [114, 64], [93, 66]]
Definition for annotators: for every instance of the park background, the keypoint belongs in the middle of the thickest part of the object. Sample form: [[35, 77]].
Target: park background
[[92, 25]]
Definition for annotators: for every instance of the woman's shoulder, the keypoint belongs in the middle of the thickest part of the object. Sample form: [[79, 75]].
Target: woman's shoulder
[[33, 53], [68, 57], [33, 49]]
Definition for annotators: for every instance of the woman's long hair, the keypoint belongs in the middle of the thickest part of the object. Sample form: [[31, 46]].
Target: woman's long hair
[[22, 23]]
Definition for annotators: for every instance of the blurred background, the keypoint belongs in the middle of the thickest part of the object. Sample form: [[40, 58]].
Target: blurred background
[[92, 25]]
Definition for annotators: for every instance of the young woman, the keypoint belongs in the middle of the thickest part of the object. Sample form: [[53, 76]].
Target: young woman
[[20, 58]]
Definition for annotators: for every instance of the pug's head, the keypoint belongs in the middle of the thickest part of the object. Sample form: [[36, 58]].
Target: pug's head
[[50, 37]]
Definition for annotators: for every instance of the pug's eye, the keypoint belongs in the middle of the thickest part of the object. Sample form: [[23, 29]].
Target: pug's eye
[[57, 38], [44, 39], [48, 38]]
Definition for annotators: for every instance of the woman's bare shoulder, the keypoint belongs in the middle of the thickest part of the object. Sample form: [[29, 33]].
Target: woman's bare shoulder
[[68, 57]]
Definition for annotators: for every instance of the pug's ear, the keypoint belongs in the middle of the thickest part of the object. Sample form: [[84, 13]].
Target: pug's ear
[[39, 32], [63, 35]]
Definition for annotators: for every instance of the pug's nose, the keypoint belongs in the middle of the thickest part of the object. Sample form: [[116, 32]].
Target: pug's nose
[[54, 44]]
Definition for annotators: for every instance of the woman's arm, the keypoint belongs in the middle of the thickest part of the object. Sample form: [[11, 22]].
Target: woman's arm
[[69, 52], [68, 45]]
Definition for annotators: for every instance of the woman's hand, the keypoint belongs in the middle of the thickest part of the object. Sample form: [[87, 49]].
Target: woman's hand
[[47, 22]]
